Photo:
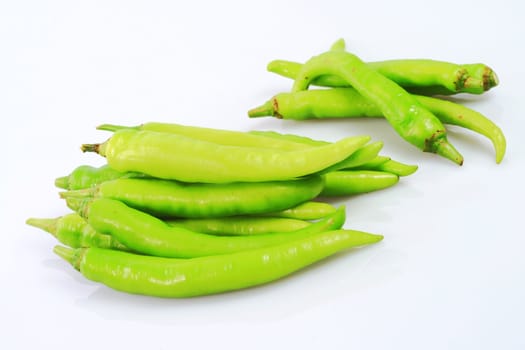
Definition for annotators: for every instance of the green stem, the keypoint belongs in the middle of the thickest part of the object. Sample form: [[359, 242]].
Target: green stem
[[72, 256], [491, 78], [48, 225], [263, 110], [80, 194], [446, 150], [62, 182], [65, 253], [339, 45], [114, 127], [75, 204]]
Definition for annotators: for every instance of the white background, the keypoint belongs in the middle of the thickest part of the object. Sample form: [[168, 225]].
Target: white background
[[450, 271]]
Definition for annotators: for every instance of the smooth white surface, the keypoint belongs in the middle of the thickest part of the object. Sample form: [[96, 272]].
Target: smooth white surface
[[450, 272]]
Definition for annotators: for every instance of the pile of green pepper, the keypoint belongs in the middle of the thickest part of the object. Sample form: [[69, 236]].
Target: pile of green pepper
[[405, 92], [181, 211]]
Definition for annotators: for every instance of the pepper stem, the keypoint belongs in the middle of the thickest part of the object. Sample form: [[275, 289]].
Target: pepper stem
[[114, 127], [339, 45], [65, 253], [62, 182], [491, 78], [74, 203], [72, 256], [445, 149], [90, 147], [82, 193], [263, 110], [48, 225]]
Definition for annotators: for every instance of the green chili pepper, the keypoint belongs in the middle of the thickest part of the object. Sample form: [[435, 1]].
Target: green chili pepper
[[363, 155], [380, 163], [219, 136], [164, 277], [251, 138], [177, 157], [168, 198], [240, 225], [422, 76], [147, 234], [318, 103], [86, 176], [352, 182], [73, 231], [305, 211], [348, 103], [413, 122]]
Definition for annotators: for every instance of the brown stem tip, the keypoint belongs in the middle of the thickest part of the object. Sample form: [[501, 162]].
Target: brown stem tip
[[90, 147]]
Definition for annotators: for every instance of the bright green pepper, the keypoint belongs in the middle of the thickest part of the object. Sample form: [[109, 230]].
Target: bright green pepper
[[422, 76], [147, 234], [355, 161], [177, 157], [168, 198], [176, 278], [254, 138], [411, 120], [348, 103]]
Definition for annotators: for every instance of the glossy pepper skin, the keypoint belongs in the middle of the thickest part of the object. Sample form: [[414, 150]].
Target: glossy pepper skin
[[176, 278], [149, 235], [241, 225], [168, 198], [352, 182], [348, 103], [421, 76], [311, 210], [355, 161], [410, 120], [177, 157]]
